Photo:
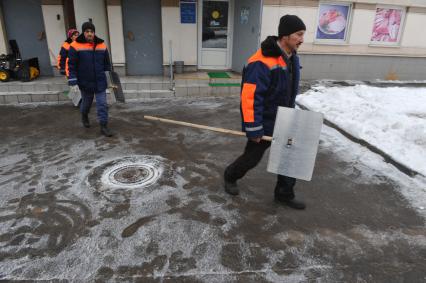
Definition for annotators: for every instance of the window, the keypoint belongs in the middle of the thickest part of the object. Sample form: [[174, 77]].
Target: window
[[215, 24]]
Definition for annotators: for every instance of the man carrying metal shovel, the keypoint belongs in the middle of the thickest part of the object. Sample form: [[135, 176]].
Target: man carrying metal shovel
[[269, 88], [88, 59], [271, 79]]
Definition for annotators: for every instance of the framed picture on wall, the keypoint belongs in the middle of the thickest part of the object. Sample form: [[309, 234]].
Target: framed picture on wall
[[333, 22], [387, 25]]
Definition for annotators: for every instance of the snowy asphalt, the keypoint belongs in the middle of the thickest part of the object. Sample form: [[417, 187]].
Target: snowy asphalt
[[62, 217]]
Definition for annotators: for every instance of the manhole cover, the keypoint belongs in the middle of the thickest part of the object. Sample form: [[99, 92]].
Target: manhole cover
[[127, 172], [129, 176], [133, 175]]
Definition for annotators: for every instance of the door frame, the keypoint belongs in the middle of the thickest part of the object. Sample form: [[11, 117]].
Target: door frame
[[229, 45]]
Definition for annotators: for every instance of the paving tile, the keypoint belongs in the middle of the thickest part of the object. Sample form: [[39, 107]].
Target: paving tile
[[10, 99]]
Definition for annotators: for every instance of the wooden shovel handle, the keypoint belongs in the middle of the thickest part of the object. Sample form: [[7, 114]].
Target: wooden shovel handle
[[198, 126]]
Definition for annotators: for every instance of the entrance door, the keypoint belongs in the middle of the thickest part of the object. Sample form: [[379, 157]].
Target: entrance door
[[246, 31], [69, 14], [142, 37], [215, 34], [28, 31]]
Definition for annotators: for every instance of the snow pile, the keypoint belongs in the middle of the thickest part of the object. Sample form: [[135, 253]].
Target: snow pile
[[392, 119]]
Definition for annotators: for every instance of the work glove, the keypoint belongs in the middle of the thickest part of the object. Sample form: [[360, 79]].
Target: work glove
[[256, 139], [74, 88]]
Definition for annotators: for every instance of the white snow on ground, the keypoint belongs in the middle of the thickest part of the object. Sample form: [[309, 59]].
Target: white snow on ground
[[392, 119], [401, 82]]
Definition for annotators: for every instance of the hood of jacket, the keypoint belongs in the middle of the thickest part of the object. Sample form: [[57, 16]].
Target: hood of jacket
[[82, 39], [270, 47]]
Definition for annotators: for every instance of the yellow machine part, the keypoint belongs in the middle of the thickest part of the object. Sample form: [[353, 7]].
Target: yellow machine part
[[4, 76], [34, 73]]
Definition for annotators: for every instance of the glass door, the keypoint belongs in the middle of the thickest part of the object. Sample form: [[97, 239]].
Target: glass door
[[215, 34]]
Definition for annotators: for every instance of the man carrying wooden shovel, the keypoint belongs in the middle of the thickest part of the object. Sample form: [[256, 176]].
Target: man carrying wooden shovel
[[271, 79]]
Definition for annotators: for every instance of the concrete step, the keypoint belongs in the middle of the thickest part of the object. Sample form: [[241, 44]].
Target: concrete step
[[33, 87], [203, 90], [60, 96], [32, 97], [143, 94], [164, 85], [224, 80]]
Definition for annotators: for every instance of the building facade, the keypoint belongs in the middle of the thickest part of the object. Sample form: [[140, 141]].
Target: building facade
[[351, 40]]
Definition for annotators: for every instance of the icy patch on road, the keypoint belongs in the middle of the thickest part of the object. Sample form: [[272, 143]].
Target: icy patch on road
[[165, 207], [372, 167], [6, 161], [178, 226]]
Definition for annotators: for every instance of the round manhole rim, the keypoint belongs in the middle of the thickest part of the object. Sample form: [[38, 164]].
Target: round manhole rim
[[125, 175], [153, 173]]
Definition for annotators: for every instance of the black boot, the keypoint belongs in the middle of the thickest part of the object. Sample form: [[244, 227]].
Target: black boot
[[105, 131], [293, 203], [287, 198], [85, 120], [231, 187]]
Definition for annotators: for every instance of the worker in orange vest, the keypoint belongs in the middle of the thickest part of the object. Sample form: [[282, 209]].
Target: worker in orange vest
[[270, 80], [72, 34]]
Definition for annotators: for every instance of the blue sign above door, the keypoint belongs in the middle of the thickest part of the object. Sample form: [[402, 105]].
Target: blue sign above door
[[188, 12]]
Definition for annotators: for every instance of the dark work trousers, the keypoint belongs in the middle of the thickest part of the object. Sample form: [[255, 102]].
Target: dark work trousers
[[101, 105], [249, 159]]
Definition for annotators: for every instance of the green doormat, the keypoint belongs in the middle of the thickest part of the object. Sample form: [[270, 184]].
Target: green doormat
[[224, 84], [218, 75]]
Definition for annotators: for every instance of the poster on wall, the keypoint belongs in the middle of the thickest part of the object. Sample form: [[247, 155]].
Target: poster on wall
[[188, 12], [387, 25], [333, 22], [244, 15]]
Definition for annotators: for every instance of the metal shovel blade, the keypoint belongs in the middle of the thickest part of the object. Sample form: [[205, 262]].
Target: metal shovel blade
[[114, 84], [295, 143]]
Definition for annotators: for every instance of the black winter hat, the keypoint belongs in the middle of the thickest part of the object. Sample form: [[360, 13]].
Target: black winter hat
[[87, 25], [290, 24]]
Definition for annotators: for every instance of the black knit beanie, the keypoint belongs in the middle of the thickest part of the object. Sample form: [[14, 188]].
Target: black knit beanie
[[87, 25], [290, 24]]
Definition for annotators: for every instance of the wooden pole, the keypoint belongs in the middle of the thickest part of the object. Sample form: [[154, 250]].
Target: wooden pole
[[198, 126]]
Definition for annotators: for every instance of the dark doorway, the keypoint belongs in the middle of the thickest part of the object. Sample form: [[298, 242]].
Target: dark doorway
[[28, 31], [69, 14]]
